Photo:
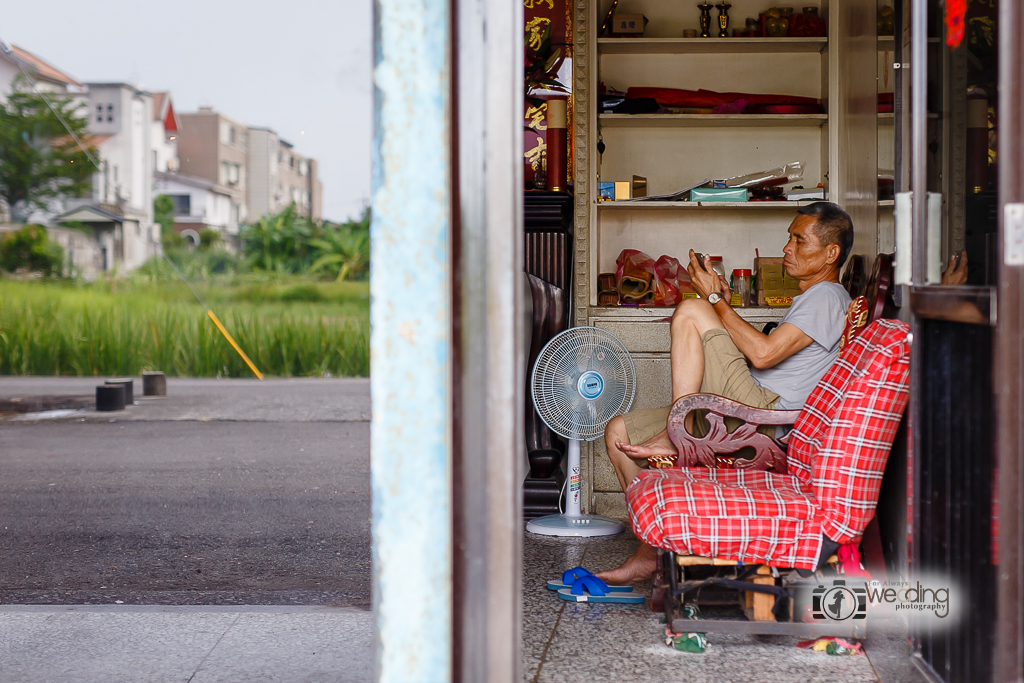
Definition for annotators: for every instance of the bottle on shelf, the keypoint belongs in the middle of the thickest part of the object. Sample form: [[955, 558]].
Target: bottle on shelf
[[741, 287]]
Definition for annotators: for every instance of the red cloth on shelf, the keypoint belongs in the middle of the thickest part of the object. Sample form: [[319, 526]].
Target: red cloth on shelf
[[673, 97]]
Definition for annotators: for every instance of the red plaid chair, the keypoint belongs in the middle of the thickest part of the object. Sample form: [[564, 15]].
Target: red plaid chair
[[827, 483]]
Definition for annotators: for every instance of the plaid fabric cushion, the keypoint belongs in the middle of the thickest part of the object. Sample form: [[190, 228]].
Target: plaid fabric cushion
[[837, 455], [845, 430]]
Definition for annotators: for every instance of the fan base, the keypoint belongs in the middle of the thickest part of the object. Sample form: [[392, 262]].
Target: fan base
[[583, 525]]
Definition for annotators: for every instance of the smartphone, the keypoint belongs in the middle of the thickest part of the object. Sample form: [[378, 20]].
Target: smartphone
[[700, 260]]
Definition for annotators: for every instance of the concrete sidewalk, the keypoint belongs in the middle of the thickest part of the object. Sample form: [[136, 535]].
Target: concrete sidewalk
[[114, 643]]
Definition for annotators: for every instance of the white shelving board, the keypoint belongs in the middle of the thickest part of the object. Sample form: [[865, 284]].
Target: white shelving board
[[679, 46], [712, 120], [700, 206]]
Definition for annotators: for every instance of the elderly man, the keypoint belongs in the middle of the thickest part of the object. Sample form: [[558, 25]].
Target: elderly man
[[715, 351]]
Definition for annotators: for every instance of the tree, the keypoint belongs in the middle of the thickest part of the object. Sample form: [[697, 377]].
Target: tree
[[30, 248], [163, 214], [39, 160]]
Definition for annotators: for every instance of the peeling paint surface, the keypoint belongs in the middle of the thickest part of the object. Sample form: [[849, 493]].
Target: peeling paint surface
[[410, 341]]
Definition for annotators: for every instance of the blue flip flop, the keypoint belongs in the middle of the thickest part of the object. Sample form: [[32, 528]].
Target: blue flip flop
[[570, 576], [585, 589]]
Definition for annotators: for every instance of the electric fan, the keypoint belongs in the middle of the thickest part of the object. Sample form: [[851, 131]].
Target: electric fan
[[583, 378]]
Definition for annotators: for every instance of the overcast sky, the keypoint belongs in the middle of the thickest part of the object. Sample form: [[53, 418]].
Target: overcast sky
[[300, 67]]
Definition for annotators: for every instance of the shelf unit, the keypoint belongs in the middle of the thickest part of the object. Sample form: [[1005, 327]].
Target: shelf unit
[[675, 150]]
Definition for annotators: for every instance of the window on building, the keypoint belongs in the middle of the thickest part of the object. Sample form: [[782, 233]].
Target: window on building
[[182, 204], [233, 173], [303, 167], [225, 173], [110, 112], [231, 134], [224, 132], [291, 161], [99, 113]]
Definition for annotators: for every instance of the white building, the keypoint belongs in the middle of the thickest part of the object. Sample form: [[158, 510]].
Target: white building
[[199, 204], [48, 78], [120, 207], [164, 134]]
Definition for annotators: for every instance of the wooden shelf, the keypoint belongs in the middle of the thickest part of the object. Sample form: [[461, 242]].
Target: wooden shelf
[[712, 120], [889, 42], [889, 117], [700, 206], [682, 46]]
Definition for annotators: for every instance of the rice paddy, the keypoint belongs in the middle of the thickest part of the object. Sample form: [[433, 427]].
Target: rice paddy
[[288, 326]]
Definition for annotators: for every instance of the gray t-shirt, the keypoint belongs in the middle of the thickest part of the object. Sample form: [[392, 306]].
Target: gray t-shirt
[[820, 313]]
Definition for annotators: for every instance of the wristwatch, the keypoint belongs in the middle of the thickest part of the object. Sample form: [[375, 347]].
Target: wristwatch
[[714, 298]]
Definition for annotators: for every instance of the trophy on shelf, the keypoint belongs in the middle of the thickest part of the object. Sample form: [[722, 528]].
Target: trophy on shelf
[[705, 19], [723, 19]]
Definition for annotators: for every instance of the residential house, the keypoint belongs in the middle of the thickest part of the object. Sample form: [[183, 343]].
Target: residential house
[[199, 204], [47, 77], [164, 134], [120, 207], [279, 176], [213, 147]]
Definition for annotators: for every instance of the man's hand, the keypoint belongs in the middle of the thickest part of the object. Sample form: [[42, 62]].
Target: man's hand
[[956, 273], [705, 280]]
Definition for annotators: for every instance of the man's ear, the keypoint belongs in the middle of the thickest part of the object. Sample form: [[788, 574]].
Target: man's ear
[[832, 252]]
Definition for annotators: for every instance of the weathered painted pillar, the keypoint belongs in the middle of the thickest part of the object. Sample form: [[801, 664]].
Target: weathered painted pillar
[[410, 342]]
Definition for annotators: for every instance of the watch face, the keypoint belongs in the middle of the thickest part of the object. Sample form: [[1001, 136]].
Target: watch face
[[714, 298]]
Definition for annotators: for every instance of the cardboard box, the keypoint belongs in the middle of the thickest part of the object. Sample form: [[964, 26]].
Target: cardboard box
[[605, 192], [771, 283], [623, 189]]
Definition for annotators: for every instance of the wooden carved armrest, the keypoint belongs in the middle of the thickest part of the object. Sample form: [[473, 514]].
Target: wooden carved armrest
[[713, 449]]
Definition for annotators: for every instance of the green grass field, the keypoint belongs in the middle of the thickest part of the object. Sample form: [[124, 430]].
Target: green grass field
[[289, 327]]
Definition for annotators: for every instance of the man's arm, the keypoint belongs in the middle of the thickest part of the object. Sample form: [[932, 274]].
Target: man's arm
[[763, 351]]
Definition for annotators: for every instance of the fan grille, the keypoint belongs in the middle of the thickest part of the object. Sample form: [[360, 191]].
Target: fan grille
[[555, 383]]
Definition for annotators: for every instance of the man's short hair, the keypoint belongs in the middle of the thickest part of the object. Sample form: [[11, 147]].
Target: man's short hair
[[832, 226]]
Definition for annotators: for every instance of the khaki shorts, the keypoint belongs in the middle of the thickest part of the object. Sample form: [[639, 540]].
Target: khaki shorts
[[726, 373]]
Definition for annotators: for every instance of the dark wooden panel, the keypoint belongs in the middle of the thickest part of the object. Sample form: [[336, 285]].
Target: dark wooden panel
[[954, 494]]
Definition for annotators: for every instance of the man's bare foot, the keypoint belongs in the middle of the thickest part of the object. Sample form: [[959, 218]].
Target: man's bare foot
[[659, 445], [637, 568]]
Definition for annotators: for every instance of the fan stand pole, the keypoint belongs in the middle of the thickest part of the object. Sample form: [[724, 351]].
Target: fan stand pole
[[572, 522], [572, 495]]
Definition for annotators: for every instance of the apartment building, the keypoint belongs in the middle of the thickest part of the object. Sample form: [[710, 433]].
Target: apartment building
[[279, 176], [214, 147]]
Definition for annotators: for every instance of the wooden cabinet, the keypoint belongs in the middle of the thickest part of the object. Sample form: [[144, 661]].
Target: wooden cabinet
[[839, 148]]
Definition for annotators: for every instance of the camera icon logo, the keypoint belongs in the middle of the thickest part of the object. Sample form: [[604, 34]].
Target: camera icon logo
[[839, 602]]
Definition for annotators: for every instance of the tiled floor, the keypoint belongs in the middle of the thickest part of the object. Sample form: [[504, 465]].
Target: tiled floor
[[565, 642]]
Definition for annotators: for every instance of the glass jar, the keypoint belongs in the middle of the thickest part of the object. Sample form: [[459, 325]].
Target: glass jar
[[717, 266], [741, 286]]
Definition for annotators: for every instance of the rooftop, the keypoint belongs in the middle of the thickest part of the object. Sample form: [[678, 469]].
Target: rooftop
[[43, 70]]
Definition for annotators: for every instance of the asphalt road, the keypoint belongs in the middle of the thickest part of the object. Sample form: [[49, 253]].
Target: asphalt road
[[188, 500]]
